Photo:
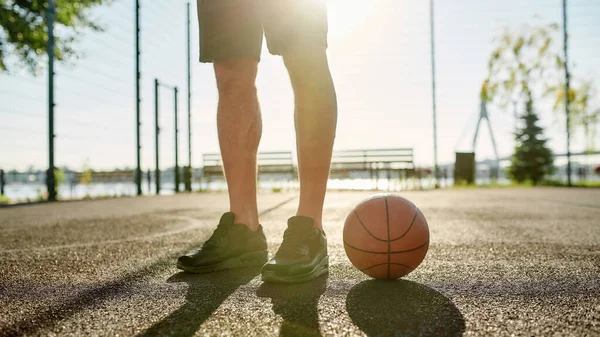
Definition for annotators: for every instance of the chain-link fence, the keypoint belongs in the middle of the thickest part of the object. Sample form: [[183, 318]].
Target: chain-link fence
[[95, 106], [386, 46]]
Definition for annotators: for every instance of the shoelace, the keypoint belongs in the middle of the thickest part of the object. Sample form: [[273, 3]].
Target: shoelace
[[293, 240], [217, 239]]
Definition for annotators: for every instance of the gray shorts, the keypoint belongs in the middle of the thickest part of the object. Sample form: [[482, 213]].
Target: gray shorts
[[235, 28]]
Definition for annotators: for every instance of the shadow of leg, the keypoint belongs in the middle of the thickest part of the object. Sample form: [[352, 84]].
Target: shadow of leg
[[297, 305], [402, 308], [205, 294]]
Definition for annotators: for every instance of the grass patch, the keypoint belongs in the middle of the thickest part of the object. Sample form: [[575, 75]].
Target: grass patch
[[4, 200], [546, 183], [41, 196], [464, 185], [557, 183], [202, 190]]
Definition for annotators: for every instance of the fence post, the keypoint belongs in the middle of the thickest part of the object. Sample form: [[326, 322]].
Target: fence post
[[50, 179], [156, 132], [188, 176], [433, 97], [2, 182], [567, 94], [138, 171], [177, 178], [149, 177]]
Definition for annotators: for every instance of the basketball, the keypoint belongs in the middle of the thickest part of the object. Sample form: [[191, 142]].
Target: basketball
[[386, 236]]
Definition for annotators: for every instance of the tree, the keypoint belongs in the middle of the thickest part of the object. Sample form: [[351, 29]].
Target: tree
[[24, 32], [581, 94], [86, 173], [527, 64], [522, 62], [532, 159], [59, 178]]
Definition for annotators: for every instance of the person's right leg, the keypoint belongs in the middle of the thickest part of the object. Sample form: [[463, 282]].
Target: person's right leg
[[239, 127], [231, 38]]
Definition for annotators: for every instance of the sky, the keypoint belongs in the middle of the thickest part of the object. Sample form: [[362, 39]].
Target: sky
[[380, 57]]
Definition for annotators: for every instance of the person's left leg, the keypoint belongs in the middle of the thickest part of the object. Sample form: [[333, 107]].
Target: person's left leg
[[315, 117], [297, 30], [302, 255]]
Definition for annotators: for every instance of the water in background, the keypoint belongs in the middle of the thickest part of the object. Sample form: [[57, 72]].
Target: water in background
[[30, 187], [32, 192]]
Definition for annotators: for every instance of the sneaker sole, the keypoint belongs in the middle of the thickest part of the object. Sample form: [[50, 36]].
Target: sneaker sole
[[253, 259], [321, 268]]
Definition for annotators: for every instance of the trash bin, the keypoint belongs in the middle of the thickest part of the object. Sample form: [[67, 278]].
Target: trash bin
[[464, 168]]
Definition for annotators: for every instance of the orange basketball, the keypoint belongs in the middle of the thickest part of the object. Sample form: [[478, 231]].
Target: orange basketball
[[386, 236]]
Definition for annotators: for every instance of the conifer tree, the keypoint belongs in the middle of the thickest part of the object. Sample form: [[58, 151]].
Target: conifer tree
[[532, 160]]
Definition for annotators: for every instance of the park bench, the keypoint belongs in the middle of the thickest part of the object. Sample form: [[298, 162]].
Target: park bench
[[106, 176], [393, 163], [278, 165]]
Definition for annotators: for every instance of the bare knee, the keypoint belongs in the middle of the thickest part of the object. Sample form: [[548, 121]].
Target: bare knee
[[309, 70], [235, 77], [238, 116]]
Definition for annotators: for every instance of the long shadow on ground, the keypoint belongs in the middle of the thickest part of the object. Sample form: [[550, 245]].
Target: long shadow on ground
[[297, 305], [85, 300], [402, 308], [205, 294]]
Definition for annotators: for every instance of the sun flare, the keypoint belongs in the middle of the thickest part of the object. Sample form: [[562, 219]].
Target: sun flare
[[345, 16]]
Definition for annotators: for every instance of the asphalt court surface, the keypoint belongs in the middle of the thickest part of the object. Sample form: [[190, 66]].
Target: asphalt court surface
[[501, 262]]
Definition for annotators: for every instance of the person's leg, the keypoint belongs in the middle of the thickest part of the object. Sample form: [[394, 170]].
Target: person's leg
[[231, 37], [297, 30], [239, 127], [315, 117], [238, 240]]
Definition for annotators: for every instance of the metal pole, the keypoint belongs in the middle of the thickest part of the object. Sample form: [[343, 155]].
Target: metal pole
[[138, 172], [2, 182], [177, 179], [149, 177], [156, 132], [435, 155], [188, 186], [51, 182], [567, 91]]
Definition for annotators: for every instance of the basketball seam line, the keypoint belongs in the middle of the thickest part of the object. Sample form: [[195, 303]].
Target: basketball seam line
[[381, 264], [394, 252], [368, 232], [409, 227], [391, 240], [387, 217]]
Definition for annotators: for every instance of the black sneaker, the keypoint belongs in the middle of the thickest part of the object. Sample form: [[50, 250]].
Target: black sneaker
[[302, 255], [231, 246]]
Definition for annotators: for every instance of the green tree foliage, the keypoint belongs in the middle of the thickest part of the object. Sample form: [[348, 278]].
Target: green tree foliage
[[581, 113], [86, 173], [86, 177], [24, 33], [59, 178], [532, 159], [523, 60], [526, 63], [523, 66]]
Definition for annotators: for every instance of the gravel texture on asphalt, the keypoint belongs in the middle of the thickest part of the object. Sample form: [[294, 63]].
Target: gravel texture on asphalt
[[501, 262]]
